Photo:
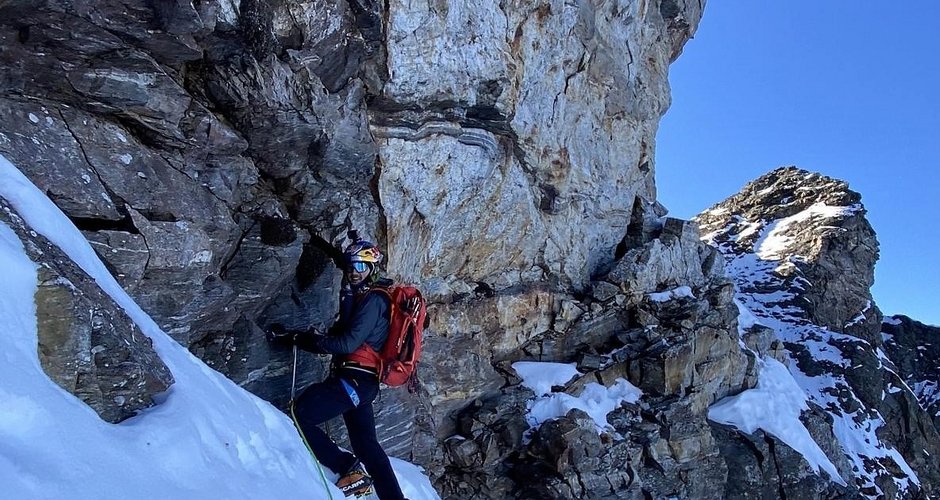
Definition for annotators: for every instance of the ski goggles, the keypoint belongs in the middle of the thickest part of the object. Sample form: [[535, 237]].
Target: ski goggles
[[358, 267]]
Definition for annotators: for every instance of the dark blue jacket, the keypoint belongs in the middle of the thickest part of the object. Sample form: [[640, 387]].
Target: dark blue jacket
[[366, 320], [363, 318]]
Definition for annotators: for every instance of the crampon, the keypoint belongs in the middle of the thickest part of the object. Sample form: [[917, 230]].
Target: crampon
[[356, 482]]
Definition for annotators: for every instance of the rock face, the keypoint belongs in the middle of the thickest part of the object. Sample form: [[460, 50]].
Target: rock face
[[802, 254], [87, 344], [915, 349], [681, 349], [541, 143], [215, 153], [411, 122]]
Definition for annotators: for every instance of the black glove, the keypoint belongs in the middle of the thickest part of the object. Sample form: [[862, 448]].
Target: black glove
[[335, 330], [278, 335], [310, 341]]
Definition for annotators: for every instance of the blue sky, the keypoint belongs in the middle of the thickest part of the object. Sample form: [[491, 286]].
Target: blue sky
[[847, 89]]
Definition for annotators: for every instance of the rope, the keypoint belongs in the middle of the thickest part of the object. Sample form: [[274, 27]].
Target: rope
[[293, 385], [304, 437]]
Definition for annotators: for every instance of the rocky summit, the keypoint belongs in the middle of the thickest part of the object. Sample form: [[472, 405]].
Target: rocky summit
[[215, 154], [802, 256]]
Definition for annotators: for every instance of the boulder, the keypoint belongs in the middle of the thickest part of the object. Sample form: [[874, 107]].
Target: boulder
[[86, 342]]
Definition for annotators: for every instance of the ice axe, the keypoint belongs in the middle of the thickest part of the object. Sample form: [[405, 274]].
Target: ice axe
[[293, 377]]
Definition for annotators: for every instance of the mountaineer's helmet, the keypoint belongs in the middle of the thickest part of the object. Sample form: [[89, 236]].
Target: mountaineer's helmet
[[363, 251]]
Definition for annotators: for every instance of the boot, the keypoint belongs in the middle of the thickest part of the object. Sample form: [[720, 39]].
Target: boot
[[356, 482]]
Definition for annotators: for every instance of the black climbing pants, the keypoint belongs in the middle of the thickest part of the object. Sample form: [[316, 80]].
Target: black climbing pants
[[321, 402]]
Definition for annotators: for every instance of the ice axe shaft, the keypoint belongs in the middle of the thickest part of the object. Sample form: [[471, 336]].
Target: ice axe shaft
[[293, 377]]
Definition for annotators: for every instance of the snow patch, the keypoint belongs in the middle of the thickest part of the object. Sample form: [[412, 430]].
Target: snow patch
[[717, 211], [891, 320], [927, 392], [675, 293], [542, 376], [774, 406], [595, 399], [857, 435], [746, 318], [774, 241]]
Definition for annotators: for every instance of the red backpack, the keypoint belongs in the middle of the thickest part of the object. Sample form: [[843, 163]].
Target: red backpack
[[397, 362]]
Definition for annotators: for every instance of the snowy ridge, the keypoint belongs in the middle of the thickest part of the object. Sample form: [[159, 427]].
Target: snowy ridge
[[206, 439], [760, 257]]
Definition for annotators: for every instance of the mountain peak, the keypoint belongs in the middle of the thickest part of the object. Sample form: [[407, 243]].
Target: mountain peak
[[802, 256], [811, 230], [786, 191]]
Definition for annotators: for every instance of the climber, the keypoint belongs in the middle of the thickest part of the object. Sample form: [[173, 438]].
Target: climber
[[351, 387]]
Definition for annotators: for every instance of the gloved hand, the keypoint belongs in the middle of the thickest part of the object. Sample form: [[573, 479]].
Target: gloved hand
[[278, 335], [310, 341]]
